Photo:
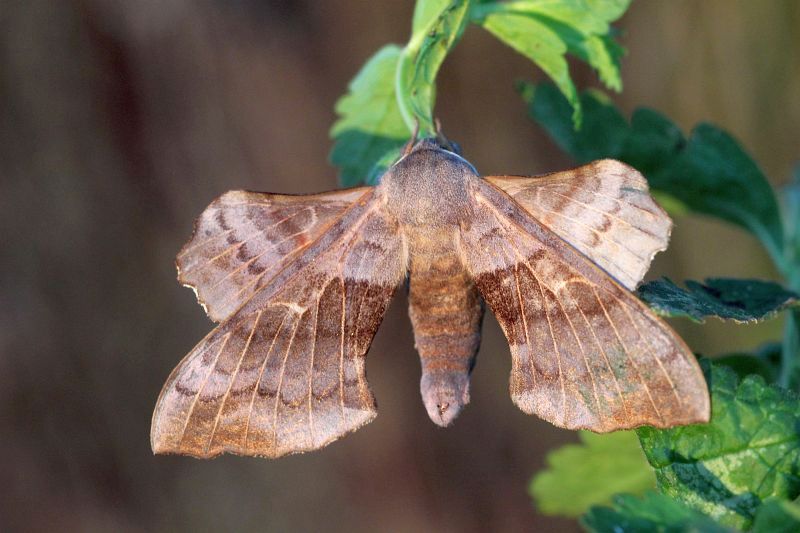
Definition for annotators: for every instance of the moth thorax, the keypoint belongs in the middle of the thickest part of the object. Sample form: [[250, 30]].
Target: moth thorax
[[429, 188]]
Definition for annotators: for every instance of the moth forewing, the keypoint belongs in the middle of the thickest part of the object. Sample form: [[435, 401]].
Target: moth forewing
[[244, 238]]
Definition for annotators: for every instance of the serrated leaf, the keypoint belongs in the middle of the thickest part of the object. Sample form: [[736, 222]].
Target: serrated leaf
[[709, 172], [764, 361], [748, 452], [370, 124], [741, 300], [545, 31], [653, 512], [604, 54], [437, 28], [604, 130], [590, 473], [777, 516], [542, 45]]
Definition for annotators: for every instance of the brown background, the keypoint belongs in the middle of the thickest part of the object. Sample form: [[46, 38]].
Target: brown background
[[121, 120]]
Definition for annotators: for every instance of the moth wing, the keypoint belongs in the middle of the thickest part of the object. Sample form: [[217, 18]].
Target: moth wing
[[285, 373], [586, 353], [604, 209], [243, 239]]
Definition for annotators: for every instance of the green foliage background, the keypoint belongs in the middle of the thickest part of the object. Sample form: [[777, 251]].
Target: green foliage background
[[740, 471]]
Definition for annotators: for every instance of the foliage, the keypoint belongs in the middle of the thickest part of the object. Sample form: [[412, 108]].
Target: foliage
[[708, 173], [653, 512], [778, 516], [370, 123], [590, 473], [722, 472], [742, 300], [748, 452], [395, 90], [742, 469], [764, 361]]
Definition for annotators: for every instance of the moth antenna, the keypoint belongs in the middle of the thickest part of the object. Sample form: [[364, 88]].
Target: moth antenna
[[443, 140], [413, 140]]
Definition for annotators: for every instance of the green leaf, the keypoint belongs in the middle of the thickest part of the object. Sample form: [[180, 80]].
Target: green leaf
[[545, 31], [542, 45], [741, 300], [370, 125], [425, 14], [748, 452], [604, 54], [777, 516], [654, 512], [765, 362], [713, 175], [581, 475], [709, 172], [790, 200], [790, 354], [437, 28]]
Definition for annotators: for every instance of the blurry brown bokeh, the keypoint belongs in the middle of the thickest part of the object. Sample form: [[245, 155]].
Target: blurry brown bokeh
[[120, 121]]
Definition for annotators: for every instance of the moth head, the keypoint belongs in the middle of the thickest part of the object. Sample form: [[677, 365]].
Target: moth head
[[436, 143]]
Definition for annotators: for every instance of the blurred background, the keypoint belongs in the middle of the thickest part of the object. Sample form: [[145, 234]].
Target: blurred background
[[120, 121]]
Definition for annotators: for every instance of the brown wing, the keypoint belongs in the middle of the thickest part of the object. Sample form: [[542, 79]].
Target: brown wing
[[603, 209], [585, 352], [285, 373], [244, 238]]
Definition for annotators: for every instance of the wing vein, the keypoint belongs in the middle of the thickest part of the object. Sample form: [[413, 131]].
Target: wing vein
[[555, 345], [233, 379], [280, 382], [583, 351], [258, 381], [605, 355], [341, 352], [610, 215], [615, 199], [525, 326], [271, 246], [628, 356], [203, 385], [649, 349], [599, 234], [311, 366]]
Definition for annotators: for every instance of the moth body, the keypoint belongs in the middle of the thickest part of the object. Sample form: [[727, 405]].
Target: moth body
[[427, 192], [300, 283]]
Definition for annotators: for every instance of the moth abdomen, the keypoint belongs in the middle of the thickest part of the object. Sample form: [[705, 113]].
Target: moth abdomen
[[446, 313]]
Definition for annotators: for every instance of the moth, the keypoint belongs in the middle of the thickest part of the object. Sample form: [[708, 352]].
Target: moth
[[299, 285]]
